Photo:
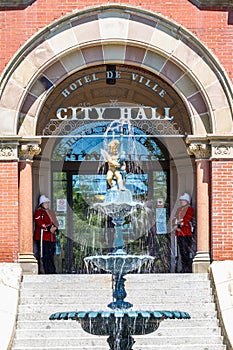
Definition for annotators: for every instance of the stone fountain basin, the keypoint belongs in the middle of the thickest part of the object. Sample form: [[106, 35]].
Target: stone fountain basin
[[119, 265], [117, 204], [117, 210], [120, 321]]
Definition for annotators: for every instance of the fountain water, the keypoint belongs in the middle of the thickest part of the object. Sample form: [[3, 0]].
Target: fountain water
[[121, 322]]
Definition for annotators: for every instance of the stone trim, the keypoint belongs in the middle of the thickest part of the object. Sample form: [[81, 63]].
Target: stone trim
[[9, 151], [210, 147], [28, 264], [201, 262], [199, 150], [221, 277], [212, 3], [28, 151], [221, 150], [16, 3]]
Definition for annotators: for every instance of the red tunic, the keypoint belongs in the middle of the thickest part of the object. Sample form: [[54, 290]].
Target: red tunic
[[184, 216], [44, 219]]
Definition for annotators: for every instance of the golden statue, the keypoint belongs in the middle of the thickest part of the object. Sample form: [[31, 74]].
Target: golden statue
[[115, 166]]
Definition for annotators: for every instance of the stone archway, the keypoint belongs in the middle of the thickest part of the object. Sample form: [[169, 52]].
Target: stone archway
[[124, 35], [115, 33]]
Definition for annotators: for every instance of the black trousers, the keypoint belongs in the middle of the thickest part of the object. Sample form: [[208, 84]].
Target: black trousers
[[185, 246], [48, 257]]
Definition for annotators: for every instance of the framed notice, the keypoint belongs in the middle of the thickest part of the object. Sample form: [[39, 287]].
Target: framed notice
[[161, 225], [62, 222], [61, 205]]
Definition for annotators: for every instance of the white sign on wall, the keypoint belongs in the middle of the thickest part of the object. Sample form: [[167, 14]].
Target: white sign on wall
[[61, 205], [161, 227]]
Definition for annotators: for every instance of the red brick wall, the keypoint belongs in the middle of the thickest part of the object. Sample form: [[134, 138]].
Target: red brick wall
[[9, 218], [214, 27], [222, 210]]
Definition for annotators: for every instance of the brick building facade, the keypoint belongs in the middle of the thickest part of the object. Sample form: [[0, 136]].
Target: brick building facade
[[178, 55]]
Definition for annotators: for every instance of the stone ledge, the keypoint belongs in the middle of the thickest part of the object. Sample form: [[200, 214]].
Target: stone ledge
[[10, 279], [16, 3], [212, 3], [221, 274]]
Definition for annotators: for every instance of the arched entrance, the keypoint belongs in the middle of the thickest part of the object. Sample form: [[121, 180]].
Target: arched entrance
[[75, 122], [118, 35], [79, 180]]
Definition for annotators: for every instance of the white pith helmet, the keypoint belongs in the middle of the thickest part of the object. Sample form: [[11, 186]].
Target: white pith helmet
[[185, 197], [43, 199]]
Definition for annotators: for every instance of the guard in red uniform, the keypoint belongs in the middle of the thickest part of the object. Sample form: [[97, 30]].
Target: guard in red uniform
[[183, 231], [46, 225]]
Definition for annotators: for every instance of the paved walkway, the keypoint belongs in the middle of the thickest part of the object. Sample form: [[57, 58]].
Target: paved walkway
[[10, 276]]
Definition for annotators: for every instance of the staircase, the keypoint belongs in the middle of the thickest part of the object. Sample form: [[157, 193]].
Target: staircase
[[43, 295]]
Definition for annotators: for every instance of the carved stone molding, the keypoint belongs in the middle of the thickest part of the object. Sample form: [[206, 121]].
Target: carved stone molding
[[28, 151], [199, 150], [8, 151], [15, 3], [222, 150], [212, 3]]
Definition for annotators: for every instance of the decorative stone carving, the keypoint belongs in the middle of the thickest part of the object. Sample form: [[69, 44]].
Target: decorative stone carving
[[155, 127], [8, 151], [28, 151], [222, 150], [15, 3], [199, 150]]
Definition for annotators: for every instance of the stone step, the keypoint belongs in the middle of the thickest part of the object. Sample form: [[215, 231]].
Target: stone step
[[57, 299], [32, 316], [95, 303], [102, 277], [209, 323], [168, 277], [101, 340], [149, 285], [78, 332], [195, 310], [135, 347], [46, 294], [80, 292]]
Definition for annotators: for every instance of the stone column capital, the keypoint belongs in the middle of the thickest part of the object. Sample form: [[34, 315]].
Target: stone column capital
[[201, 151], [28, 150]]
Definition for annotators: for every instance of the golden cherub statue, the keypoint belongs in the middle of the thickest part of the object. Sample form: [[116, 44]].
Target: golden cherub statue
[[114, 165]]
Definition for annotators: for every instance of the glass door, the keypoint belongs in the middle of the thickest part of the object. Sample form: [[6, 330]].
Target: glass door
[[83, 232], [79, 180]]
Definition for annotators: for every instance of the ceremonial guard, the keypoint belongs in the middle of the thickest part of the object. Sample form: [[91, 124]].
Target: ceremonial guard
[[183, 231], [46, 225]]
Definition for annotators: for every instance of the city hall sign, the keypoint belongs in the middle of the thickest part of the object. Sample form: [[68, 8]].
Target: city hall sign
[[113, 113], [68, 117], [113, 75]]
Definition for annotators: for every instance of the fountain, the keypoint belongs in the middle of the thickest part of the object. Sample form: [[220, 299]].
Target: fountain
[[121, 322]]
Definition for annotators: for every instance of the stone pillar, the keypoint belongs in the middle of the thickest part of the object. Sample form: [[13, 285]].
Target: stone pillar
[[9, 206], [26, 258], [201, 261]]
